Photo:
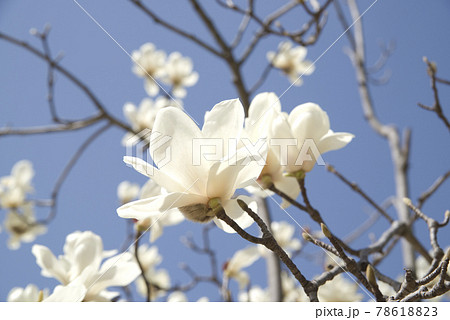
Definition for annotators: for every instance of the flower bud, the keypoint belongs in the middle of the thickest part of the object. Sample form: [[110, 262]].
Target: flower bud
[[325, 230]]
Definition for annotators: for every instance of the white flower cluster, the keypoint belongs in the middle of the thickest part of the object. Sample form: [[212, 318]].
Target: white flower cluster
[[291, 61], [175, 70], [20, 220], [201, 169], [80, 270]]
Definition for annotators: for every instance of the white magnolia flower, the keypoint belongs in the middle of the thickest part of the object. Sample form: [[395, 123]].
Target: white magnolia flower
[[81, 265], [264, 109], [178, 296], [339, 290], [13, 188], [22, 227], [149, 64], [283, 233], [194, 188], [179, 74], [255, 294], [309, 125], [291, 61], [150, 259], [30, 293], [240, 260], [156, 222], [127, 191]]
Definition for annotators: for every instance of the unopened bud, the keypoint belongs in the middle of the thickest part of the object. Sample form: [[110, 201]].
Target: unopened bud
[[370, 274], [41, 296], [325, 230], [407, 201], [307, 237]]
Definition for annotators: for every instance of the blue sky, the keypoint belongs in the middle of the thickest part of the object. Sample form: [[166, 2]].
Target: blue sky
[[88, 197]]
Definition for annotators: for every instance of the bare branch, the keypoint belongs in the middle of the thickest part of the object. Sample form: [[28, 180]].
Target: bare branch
[[437, 107]]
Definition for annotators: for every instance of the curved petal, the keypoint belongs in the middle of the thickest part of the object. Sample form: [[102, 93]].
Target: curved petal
[[260, 106], [160, 177], [71, 293], [144, 208], [333, 141], [178, 132], [50, 266], [224, 121], [308, 121], [244, 258]]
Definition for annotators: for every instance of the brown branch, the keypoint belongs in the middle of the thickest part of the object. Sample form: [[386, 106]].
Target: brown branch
[[148, 285], [270, 243], [227, 54], [173, 28], [70, 76], [437, 107], [68, 126], [351, 264]]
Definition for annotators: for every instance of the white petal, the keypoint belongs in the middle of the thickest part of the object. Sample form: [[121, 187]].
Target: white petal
[[224, 121], [309, 121], [49, 264], [244, 258], [173, 123], [67, 294], [334, 141], [144, 208], [160, 177], [288, 185], [151, 87]]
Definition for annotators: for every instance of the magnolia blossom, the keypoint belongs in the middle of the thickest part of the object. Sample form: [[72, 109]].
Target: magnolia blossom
[[22, 227], [13, 188], [149, 64], [240, 260], [264, 109], [142, 117], [149, 259], [179, 74], [291, 61], [283, 233], [339, 290], [127, 191], [81, 266], [30, 293], [156, 222], [296, 139], [196, 189]]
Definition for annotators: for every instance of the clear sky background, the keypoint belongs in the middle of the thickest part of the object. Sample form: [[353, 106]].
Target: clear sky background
[[88, 198]]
